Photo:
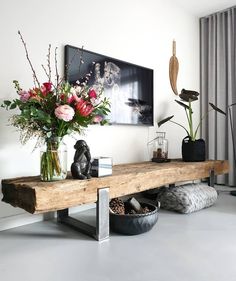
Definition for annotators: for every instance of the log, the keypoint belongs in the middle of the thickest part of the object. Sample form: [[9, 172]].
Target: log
[[35, 196]]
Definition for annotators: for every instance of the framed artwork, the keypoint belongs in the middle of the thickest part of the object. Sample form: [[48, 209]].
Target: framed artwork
[[129, 87]]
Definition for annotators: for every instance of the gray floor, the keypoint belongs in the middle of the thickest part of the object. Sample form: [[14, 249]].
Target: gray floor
[[199, 246]]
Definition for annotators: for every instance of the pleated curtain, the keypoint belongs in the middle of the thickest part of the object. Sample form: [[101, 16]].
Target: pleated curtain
[[218, 86]]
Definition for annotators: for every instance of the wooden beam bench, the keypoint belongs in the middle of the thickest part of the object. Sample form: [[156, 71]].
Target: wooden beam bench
[[35, 196]]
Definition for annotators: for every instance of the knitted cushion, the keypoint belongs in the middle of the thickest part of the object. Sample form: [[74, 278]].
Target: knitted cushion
[[187, 198]]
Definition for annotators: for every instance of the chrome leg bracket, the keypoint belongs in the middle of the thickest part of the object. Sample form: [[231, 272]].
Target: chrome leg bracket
[[101, 231]]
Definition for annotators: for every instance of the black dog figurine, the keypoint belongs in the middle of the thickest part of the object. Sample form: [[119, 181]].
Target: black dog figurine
[[80, 168]]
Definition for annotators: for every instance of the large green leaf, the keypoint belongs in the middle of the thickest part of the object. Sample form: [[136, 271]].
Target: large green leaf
[[216, 108], [164, 120], [184, 105]]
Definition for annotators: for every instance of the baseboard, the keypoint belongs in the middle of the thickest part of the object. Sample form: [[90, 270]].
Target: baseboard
[[26, 218], [19, 220]]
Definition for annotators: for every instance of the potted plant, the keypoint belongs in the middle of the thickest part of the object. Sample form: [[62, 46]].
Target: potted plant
[[193, 149]]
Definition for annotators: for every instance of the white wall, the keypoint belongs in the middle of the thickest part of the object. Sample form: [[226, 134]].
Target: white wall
[[137, 31]]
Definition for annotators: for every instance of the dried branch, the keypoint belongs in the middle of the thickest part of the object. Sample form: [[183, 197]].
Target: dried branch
[[27, 56], [47, 74], [49, 63], [34, 81], [56, 68]]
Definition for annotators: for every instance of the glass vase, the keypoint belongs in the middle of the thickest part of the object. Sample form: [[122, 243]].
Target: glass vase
[[53, 160], [158, 148]]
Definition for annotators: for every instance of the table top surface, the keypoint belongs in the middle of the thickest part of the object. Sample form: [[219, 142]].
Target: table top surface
[[36, 196]]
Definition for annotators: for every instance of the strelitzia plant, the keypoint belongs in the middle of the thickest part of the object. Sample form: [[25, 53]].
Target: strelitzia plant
[[187, 97]]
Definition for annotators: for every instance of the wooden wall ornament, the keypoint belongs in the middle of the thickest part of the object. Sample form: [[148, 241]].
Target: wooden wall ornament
[[173, 69]]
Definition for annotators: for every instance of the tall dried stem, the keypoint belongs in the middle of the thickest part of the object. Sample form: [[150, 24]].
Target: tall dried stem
[[49, 71], [56, 69], [27, 56]]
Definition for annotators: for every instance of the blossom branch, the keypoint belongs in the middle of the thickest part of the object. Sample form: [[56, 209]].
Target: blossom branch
[[49, 63], [47, 74], [56, 68], [27, 56]]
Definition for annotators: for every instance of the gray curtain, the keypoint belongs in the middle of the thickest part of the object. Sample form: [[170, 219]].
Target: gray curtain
[[218, 85]]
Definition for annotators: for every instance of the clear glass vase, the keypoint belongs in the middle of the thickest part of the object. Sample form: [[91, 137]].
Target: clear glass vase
[[158, 148], [53, 160]]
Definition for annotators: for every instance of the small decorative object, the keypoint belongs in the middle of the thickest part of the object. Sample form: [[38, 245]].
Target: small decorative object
[[129, 220], [53, 165], [187, 198], [53, 109], [101, 167], [80, 168], [158, 148], [135, 205], [117, 206], [173, 69], [188, 96]]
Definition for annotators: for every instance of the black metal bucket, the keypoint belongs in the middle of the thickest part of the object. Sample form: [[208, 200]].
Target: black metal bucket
[[193, 151]]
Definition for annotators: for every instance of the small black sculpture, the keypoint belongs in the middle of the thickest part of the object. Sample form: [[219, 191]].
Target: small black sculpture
[[80, 168]]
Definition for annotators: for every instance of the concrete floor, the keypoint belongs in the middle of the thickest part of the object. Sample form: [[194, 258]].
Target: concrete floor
[[197, 247]]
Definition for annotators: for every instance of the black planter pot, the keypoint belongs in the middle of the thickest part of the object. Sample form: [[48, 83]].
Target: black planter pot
[[193, 151]]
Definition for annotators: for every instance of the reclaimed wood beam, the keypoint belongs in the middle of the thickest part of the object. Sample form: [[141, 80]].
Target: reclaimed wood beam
[[35, 196]]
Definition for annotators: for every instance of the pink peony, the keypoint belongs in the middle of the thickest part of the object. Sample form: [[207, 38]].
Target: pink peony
[[64, 112], [24, 96], [84, 108]]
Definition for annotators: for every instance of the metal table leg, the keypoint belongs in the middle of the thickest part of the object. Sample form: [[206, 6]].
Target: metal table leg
[[101, 231], [211, 179]]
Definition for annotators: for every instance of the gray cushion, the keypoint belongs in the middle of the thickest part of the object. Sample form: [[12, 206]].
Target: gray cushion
[[187, 198]]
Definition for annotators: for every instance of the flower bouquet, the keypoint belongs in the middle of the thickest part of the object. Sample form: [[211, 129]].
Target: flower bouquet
[[53, 109]]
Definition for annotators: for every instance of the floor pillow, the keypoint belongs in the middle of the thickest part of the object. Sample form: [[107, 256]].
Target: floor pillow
[[187, 198]]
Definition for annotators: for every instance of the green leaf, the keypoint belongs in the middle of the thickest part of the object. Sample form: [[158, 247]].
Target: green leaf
[[184, 105], [164, 120], [12, 106], [104, 122], [216, 108], [7, 102]]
